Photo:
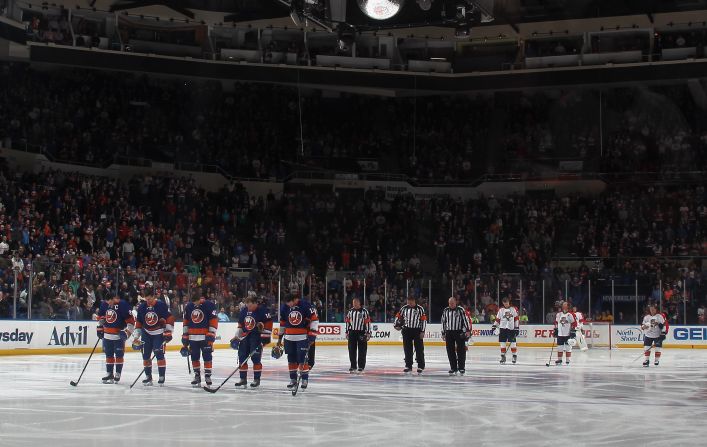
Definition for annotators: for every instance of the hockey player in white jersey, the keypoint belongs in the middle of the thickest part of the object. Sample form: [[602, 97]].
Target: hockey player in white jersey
[[654, 332], [565, 330], [579, 318], [508, 321]]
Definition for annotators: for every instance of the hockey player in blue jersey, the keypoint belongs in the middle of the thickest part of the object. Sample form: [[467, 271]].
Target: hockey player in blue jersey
[[153, 329], [115, 325], [200, 325], [254, 330], [299, 326]]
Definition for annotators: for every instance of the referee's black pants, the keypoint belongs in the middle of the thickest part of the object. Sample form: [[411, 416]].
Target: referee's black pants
[[358, 346], [456, 350], [411, 338]]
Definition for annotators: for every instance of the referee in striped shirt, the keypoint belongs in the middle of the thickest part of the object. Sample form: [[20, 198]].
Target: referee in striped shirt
[[358, 332], [456, 329], [412, 321]]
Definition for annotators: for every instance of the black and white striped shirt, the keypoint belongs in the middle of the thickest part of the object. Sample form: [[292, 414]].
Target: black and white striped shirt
[[455, 319], [412, 317], [358, 320]]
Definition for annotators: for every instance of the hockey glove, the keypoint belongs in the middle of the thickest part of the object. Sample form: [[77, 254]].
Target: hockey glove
[[554, 332], [494, 329], [397, 327], [467, 336], [167, 336], [124, 335], [210, 338], [661, 325], [276, 351], [185, 340], [235, 343], [662, 337], [368, 336], [99, 332], [311, 339], [184, 351], [573, 334], [347, 335], [516, 332]]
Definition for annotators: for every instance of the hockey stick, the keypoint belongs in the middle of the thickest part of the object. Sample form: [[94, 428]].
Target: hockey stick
[[299, 370], [213, 390], [551, 352], [72, 383], [189, 364]]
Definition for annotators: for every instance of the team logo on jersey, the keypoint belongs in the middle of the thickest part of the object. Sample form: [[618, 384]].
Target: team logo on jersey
[[563, 320], [249, 323], [295, 318], [507, 315], [197, 316], [111, 316], [151, 318]]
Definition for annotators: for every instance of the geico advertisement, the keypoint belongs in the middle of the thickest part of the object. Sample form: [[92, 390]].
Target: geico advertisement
[[677, 335]]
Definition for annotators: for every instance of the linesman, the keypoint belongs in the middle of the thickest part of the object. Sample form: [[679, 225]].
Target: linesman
[[456, 330], [358, 332]]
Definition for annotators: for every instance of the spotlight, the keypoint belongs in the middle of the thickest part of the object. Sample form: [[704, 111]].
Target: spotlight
[[380, 9]]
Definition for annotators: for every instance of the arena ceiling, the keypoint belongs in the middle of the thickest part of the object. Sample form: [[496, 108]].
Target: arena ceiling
[[505, 12]]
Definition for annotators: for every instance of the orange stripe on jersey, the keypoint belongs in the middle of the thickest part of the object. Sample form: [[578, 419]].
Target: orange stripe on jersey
[[110, 360], [208, 365], [119, 360], [213, 323], [161, 362], [244, 367], [147, 363], [198, 330], [268, 325], [295, 331], [130, 320], [111, 330], [258, 367]]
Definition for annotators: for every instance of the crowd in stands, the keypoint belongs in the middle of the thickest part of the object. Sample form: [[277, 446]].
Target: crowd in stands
[[52, 28], [253, 131], [80, 238]]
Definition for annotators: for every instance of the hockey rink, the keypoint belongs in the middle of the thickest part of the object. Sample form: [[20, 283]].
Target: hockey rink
[[604, 398]]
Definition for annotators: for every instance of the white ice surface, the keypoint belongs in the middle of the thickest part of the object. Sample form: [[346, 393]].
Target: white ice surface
[[603, 398]]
